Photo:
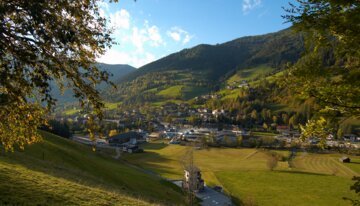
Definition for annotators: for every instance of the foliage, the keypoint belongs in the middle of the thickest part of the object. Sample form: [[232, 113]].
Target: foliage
[[112, 132], [356, 188], [43, 41], [206, 67], [315, 129], [272, 161], [19, 126], [59, 128], [329, 71]]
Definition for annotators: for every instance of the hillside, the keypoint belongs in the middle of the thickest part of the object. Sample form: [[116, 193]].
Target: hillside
[[205, 68], [117, 71], [61, 172]]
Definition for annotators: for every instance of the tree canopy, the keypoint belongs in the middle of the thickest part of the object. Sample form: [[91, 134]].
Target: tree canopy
[[43, 41], [330, 69]]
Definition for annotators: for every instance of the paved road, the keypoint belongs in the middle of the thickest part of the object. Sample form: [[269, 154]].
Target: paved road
[[210, 197]]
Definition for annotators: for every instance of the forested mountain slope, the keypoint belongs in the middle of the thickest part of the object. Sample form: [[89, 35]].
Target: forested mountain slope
[[204, 68], [116, 72]]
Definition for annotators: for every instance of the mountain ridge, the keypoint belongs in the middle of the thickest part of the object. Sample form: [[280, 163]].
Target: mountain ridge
[[234, 51], [204, 68]]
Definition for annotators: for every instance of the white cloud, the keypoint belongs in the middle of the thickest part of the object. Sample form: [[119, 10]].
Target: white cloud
[[154, 36], [174, 35], [138, 38], [179, 35], [249, 5], [132, 58], [148, 34], [120, 20]]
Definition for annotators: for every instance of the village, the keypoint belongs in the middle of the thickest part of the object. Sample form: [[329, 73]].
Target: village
[[184, 125], [205, 135]]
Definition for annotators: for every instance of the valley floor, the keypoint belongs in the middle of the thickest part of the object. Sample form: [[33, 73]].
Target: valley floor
[[309, 179]]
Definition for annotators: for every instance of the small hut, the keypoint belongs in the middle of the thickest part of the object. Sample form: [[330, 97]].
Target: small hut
[[344, 159]]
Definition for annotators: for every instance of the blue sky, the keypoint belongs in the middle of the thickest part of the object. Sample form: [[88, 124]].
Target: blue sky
[[147, 30]]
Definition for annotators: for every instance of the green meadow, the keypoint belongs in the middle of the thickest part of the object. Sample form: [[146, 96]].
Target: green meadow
[[58, 171], [315, 179]]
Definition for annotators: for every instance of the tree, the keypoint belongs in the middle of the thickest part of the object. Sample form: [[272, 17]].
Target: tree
[[168, 119], [329, 72], [43, 42], [265, 126], [254, 115], [356, 188], [239, 140], [189, 185], [316, 128], [331, 32], [113, 132], [272, 161], [339, 133], [59, 128]]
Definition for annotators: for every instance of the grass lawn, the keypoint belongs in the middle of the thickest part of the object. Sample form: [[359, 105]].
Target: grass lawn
[[112, 105], [324, 163], [262, 134], [286, 188], [108, 106], [230, 94], [171, 92], [194, 91], [71, 111], [60, 171], [354, 165], [244, 173], [250, 73]]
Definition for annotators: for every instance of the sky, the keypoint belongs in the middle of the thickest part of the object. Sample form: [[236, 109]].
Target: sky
[[147, 30]]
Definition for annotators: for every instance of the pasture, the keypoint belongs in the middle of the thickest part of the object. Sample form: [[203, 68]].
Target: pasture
[[61, 172], [315, 179]]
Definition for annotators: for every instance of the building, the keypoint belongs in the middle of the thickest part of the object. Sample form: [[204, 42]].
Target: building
[[192, 179], [118, 140], [344, 159]]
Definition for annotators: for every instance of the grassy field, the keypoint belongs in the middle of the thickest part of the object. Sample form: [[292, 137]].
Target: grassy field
[[262, 134], [112, 105], [285, 188], [108, 106], [325, 164], [71, 111], [171, 92], [190, 92], [250, 73], [59, 171], [314, 179]]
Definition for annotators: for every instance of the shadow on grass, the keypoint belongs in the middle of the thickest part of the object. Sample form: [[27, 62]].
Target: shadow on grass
[[74, 163], [302, 172], [153, 163], [154, 145]]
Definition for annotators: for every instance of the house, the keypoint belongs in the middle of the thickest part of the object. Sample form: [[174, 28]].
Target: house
[[344, 159], [243, 84], [132, 149], [283, 130], [192, 179], [120, 139], [350, 137]]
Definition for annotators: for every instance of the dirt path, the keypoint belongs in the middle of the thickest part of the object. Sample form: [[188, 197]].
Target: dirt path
[[250, 155]]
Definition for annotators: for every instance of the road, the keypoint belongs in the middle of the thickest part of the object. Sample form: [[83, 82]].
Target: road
[[209, 196]]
